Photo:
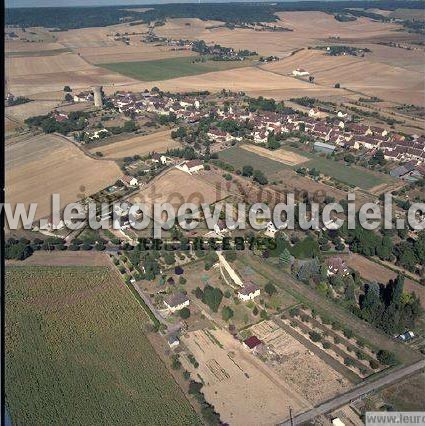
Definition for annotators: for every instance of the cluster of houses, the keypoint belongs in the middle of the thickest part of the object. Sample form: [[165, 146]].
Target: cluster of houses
[[337, 133], [186, 107]]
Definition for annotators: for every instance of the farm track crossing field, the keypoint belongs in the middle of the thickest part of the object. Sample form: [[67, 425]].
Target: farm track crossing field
[[164, 69], [350, 175], [239, 157], [139, 145], [77, 353]]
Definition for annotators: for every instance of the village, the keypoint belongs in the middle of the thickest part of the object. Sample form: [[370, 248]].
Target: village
[[325, 133], [208, 240]]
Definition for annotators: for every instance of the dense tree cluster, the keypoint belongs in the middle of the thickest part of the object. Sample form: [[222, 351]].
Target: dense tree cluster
[[388, 307], [212, 297], [17, 250], [76, 121]]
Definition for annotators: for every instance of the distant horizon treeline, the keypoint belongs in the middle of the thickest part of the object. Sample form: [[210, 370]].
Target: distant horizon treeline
[[64, 18]]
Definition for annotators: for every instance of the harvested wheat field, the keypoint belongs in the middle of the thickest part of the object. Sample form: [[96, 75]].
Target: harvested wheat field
[[42, 165], [243, 390], [10, 126], [299, 367], [88, 37], [275, 43], [31, 109], [65, 62], [385, 81], [177, 187], [286, 157], [139, 145], [252, 80], [408, 59], [142, 52], [49, 73], [372, 271], [22, 46], [53, 82]]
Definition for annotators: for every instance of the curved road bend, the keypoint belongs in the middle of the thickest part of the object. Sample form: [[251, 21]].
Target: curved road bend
[[356, 393]]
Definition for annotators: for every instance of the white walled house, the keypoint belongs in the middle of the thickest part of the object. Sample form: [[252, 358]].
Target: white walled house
[[248, 292], [191, 166], [300, 72], [177, 302], [158, 158], [129, 181], [314, 113]]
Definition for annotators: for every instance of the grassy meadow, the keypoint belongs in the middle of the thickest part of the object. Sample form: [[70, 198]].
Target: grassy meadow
[[239, 157], [77, 352], [350, 175], [164, 69]]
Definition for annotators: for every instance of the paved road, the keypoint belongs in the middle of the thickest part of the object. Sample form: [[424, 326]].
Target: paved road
[[356, 393]]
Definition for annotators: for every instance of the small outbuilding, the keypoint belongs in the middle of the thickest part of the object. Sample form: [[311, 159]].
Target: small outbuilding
[[324, 147], [252, 342]]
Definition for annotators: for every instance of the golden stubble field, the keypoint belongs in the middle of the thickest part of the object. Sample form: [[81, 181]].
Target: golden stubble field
[[286, 157], [240, 386], [390, 82], [177, 187], [299, 367], [276, 43], [41, 165], [40, 74], [139, 145], [252, 80]]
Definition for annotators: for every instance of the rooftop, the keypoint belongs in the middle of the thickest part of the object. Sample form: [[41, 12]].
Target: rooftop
[[252, 342], [176, 300]]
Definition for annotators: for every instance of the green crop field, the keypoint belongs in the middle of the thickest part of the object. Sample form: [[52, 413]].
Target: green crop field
[[350, 175], [239, 157], [76, 352], [164, 69]]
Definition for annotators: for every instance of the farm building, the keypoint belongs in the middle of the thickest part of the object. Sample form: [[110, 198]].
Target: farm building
[[337, 422], [129, 181], [314, 113], [252, 342], [59, 116], [173, 341], [403, 170], [249, 291], [177, 302], [324, 147], [337, 266], [158, 158], [192, 166], [405, 337], [300, 72], [83, 97]]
